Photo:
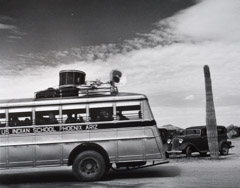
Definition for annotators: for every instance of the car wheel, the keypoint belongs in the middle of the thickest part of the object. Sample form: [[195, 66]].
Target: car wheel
[[188, 151], [89, 166], [224, 149]]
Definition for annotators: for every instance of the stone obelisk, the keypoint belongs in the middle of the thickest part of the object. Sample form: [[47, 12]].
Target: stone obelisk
[[211, 121]]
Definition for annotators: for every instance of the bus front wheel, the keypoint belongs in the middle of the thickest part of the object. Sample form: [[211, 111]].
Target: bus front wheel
[[89, 166]]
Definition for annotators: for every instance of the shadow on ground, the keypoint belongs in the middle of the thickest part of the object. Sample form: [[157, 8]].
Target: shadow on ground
[[66, 176], [153, 172]]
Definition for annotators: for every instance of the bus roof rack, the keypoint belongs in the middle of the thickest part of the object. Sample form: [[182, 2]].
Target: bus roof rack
[[82, 90], [72, 83]]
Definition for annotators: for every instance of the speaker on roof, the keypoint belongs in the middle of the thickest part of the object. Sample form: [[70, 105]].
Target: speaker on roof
[[117, 78]]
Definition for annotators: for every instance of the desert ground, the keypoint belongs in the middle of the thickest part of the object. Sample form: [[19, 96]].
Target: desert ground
[[179, 172]]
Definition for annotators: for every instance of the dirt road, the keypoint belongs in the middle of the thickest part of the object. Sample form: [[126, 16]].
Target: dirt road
[[180, 172]]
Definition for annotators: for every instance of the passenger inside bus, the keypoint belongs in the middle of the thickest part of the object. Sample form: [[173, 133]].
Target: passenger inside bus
[[120, 116], [52, 119], [70, 119], [2, 124], [14, 121], [100, 115], [40, 120], [105, 115], [140, 114], [27, 121], [80, 119]]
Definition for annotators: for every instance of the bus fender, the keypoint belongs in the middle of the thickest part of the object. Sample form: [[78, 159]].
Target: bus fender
[[87, 146]]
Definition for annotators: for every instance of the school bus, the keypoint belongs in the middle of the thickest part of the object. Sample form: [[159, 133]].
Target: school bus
[[91, 133]]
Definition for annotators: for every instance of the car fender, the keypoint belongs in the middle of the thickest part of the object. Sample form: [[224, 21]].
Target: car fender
[[184, 146], [223, 142]]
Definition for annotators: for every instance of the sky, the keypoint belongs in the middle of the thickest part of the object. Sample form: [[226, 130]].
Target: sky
[[161, 47]]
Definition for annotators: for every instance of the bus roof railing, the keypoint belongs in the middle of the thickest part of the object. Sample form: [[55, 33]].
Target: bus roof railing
[[71, 100]]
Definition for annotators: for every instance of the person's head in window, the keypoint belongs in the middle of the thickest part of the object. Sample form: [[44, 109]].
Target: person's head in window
[[140, 114], [52, 118], [14, 121], [120, 116], [15, 118], [105, 115], [70, 119], [27, 121], [80, 119]]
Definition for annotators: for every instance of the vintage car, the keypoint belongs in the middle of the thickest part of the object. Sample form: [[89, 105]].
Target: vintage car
[[194, 139]]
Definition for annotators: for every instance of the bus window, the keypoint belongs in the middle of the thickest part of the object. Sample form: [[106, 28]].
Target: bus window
[[74, 114], [47, 115], [2, 118], [129, 111], [20, 117], [147, 111], [101, 112]]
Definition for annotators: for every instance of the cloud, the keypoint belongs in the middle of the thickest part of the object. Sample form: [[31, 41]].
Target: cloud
[[14, 37], [189, 98], [10, 31], [7, 27], [4, 23], [211, 20]]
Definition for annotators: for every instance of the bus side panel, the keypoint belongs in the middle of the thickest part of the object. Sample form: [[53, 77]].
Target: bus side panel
[[153, 146], [108, 141], [103, 138], [139, 144], [3, 151], [130, 144], [20, 153], [152, 150], [47, 153], [71, 140]]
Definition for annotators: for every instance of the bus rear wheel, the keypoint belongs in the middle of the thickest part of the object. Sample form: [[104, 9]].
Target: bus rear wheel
[[89, 166]]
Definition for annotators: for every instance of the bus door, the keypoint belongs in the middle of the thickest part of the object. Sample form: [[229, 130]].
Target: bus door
[[21, 137], [48, 147]]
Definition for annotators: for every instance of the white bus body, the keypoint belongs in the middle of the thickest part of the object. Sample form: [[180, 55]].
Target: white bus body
[[90, 133]]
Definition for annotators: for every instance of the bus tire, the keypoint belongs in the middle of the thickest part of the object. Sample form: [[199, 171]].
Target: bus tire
[[89, 166]]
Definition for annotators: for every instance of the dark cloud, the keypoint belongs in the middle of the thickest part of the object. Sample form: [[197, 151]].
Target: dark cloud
[[162, 35], [55, 25]]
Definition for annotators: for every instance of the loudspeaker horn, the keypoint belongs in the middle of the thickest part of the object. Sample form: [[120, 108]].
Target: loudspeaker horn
[[117, 78]]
